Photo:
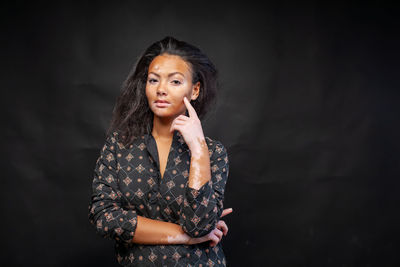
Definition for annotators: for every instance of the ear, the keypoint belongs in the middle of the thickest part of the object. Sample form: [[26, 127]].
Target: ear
[[195, 91]]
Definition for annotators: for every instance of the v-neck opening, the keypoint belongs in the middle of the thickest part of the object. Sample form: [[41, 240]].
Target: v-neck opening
[[154, 152], [166, 163]]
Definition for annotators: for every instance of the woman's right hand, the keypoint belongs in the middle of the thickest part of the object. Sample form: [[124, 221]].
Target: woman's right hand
[[216, 234]]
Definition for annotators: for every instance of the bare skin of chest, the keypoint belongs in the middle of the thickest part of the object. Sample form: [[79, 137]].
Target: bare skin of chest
[[163, 147]]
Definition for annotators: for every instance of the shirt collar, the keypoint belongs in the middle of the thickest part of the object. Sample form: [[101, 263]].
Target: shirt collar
[[151, 145]]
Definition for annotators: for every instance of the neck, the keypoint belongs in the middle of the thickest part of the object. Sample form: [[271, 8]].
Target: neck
[[161, 128]]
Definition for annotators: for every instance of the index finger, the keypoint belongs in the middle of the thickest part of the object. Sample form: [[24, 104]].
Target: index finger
[[190, 108], [226, 212]]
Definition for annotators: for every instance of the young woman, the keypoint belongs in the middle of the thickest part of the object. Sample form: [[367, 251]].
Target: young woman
[[159, 183]]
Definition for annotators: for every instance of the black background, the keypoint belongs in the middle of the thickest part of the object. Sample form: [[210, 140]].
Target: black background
[[308, 111]]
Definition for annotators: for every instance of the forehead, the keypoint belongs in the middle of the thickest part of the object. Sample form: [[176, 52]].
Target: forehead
[[164, 64]]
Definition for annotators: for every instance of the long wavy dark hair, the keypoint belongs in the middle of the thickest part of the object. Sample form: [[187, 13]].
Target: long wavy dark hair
[[132, 116]]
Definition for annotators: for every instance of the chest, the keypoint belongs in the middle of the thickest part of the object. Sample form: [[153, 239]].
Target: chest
[[163, 148], [143, 186]]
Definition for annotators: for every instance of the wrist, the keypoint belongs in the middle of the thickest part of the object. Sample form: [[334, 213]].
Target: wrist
[[198, 148], [190, 241], [179, 239]]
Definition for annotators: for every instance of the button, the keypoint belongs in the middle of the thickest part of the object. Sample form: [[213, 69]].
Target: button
[[153, 196]]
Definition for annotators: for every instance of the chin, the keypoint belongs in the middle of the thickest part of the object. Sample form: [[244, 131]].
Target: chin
[[162, 114], [166, 112]]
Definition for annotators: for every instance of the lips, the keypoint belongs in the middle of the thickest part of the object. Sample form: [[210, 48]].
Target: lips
[[161, 103]]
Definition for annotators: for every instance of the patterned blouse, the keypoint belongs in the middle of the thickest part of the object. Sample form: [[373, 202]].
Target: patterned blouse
[[127, 182]]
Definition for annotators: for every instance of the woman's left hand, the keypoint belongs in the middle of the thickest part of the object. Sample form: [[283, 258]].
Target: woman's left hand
[[190, 128], [221, 225]]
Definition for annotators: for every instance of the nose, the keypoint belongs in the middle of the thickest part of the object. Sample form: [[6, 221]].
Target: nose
[[161, 89]]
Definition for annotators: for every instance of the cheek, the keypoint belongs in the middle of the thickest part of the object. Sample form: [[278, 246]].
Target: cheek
[[181, 93], [178, 99], [148, 92]]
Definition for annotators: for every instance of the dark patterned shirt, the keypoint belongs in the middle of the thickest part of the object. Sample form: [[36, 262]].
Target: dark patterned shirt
[[127, 182]]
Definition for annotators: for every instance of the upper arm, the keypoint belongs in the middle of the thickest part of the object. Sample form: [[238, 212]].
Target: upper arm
[[219, 165], [105, 209]]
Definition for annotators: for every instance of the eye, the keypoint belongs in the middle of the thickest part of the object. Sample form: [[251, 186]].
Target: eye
[[176, 82], [151, 80]]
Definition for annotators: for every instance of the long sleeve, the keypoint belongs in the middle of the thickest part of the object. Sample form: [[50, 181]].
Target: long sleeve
[[202, 208], [105, 208]]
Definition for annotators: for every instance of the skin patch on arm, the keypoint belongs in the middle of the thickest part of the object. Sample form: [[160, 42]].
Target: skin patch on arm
[[178, 239], [200, 172]]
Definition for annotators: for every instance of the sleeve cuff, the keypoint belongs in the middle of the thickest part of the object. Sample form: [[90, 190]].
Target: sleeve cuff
[[197, 195]]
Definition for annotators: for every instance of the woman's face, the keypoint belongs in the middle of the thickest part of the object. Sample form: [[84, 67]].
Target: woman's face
[[169, 79]]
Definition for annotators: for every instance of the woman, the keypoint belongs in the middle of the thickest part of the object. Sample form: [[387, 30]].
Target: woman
[[159, 183]]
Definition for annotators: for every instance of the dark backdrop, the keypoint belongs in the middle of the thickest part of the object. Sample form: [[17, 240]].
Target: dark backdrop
[[308, 110]]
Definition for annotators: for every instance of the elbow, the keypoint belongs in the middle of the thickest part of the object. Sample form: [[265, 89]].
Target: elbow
[[197, 232], [198, 227], [200, 216], [101, 228], [121, 230]]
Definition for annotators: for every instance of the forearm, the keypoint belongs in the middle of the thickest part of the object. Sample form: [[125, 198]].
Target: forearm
[[202, 206], [200, 172], [155, 232]]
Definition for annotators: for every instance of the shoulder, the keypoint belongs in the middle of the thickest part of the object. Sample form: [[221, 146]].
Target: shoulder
[[215, 147], [218, 155], [113, 140], [119, 140]]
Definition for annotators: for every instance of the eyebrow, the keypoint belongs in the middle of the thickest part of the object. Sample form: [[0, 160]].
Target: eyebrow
[[169, 75]]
